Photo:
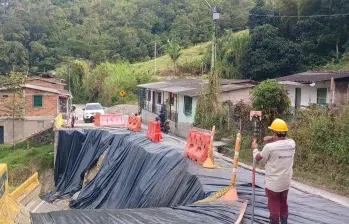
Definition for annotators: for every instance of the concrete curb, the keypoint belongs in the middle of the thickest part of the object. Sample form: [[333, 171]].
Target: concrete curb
[[295, 184]]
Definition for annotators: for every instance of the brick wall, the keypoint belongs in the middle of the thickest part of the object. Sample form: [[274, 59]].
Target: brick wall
[[5, 97], [42, 83], [49, 103]]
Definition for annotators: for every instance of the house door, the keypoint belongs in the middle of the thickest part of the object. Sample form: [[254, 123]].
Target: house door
[[298, 98], [1, 134]]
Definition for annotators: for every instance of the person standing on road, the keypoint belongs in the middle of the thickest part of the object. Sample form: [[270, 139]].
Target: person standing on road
[[278, 155]]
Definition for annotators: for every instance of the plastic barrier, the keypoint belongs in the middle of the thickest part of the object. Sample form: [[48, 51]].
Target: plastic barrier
[[198, 145], [59, 121], [111, 120], [96, 120], [154, 131], [8, 207], [134, 123], [10, 203]]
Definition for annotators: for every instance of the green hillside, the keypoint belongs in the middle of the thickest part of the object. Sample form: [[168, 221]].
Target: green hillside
[[190, 60]]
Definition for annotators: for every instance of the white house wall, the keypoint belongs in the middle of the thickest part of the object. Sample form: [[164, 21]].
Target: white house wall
[[237, 95], [182, 118], [308, 93]]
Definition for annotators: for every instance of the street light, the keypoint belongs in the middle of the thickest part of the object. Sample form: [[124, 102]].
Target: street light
[[215, 17]]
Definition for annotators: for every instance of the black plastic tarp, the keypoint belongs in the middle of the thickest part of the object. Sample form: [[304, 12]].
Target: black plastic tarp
[[137, 173], [77, 152], [212, 214]]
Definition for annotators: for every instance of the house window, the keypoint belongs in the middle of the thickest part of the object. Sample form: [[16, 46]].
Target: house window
[[37, 102], [172, 97], [149, 95], [188, 105], [321, 96], [159, 98], [4, 96], [41, 124]]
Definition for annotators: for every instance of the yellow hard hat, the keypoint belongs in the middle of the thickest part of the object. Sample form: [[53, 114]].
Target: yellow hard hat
[[279, 125]]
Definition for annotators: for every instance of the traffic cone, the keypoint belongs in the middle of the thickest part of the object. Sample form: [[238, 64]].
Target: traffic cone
[[209, 163]]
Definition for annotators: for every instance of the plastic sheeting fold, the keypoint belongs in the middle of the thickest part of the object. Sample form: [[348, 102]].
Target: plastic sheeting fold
[[137, 173]]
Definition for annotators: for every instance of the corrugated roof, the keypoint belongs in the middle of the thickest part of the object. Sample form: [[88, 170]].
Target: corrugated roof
[[194, 87], [312, 76], [45, 89], [49, 80], [290, 83]]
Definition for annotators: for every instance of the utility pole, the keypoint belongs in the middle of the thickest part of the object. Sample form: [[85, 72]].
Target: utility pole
[[215, 17], [155, 59]]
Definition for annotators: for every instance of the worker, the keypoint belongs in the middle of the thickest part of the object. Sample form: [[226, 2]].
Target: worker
[[278, 156]]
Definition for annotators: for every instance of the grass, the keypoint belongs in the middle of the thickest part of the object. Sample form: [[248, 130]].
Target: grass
[[341, 65], [22, 163], [164, 63]]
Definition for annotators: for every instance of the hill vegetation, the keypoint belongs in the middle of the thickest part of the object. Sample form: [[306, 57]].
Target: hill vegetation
[[38, 36]]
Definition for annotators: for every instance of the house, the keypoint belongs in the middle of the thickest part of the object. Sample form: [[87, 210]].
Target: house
[[314, 88], [182, 97], [45, 98]]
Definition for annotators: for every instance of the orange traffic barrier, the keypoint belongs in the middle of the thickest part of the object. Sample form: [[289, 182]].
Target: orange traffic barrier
[[198, 145], [154, 131], [111, 120], [96, 119], [134, 123]]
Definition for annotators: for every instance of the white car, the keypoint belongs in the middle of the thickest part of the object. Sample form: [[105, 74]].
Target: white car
[[90, 110]]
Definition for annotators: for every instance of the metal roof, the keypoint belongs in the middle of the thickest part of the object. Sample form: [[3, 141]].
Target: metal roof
[[313, 76], [45, 89], [290, 83], [194, 87]]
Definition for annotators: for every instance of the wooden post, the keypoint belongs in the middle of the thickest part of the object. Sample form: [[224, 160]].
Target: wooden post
[[236, 158], [331, 93], [28, 143]]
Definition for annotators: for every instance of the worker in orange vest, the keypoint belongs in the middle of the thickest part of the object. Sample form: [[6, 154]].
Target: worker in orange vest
[[278, 155]]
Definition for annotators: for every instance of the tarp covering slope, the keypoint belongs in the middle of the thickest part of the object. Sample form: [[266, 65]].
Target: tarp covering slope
[[138, 174], [131, 170]]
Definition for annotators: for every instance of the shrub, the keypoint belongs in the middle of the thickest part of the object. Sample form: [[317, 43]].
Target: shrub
[[322, 144]]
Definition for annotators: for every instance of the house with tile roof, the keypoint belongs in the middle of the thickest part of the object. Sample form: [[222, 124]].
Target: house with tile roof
[[45, 98]]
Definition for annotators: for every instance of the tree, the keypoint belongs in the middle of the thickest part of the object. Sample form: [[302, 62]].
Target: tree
[[271, 98], [174, 51], [257, 15], [270, 55], [232, 49], [75, 73], [16, 105], [95, 80]]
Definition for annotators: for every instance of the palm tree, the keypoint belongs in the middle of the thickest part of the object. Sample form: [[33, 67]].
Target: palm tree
[[174, 51]]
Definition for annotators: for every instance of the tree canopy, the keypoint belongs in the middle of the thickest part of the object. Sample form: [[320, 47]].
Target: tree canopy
[[40, 35]]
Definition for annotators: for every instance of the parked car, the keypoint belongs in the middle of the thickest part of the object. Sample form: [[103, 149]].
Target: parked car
[[90, 110]]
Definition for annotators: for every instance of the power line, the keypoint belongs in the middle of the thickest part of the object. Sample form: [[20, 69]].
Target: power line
[[312, 16]]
